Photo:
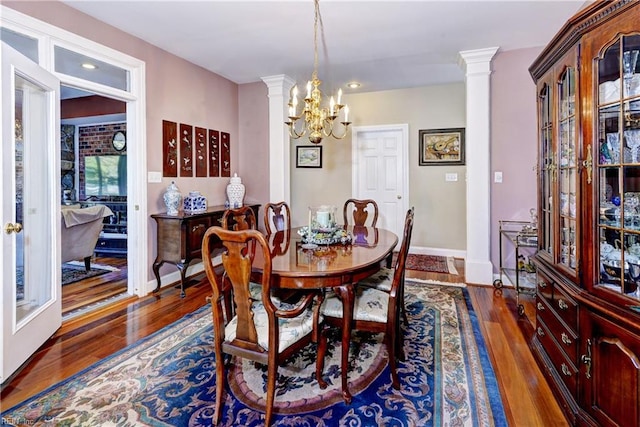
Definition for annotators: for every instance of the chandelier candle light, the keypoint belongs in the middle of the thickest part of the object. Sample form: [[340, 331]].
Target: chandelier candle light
[[318, 121]]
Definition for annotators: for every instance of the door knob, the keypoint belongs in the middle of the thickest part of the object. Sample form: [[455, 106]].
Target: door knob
[[13, 228], [399, 197]]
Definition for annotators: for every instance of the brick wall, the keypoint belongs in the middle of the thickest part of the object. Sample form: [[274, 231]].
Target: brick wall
[[96, 141]]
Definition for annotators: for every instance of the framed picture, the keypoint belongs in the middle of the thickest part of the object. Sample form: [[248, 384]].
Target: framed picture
[[309, 156], [441, 147]]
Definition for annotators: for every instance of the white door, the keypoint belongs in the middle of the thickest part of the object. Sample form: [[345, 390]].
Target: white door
[[381, 171], [30, 168]]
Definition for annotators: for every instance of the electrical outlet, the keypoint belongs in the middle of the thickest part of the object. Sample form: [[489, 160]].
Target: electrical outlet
[[450, 177]]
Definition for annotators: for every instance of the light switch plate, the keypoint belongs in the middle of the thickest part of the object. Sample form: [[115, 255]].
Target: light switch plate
[[154, 176], [497, 177], [450, 177]]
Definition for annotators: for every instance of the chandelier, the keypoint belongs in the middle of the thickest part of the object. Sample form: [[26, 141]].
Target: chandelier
[[317, 121]]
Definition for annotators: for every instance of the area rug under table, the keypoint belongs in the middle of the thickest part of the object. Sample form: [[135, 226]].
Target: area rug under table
[[168, 379]]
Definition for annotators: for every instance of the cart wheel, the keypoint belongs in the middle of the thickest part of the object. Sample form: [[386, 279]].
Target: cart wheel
[[521, 309], [497, 283]]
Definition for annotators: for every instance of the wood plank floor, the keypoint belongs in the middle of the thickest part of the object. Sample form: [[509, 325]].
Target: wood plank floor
[[85, 340]]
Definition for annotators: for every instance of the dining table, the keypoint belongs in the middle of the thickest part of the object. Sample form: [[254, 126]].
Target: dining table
[[337, 266]]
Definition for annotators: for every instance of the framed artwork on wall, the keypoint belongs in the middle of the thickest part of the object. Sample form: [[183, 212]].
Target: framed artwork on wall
[[309, 156], [440, 147]]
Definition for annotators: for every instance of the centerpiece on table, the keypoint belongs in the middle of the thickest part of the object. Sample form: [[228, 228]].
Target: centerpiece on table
[[322, 228]]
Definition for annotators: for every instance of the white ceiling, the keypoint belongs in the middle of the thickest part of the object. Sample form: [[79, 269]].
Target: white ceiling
[[382, 44]]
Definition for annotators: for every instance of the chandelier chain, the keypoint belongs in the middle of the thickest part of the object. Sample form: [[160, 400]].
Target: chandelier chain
[[315, 38]]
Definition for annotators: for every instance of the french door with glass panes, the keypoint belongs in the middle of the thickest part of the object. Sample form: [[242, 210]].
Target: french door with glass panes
[[30, 168]]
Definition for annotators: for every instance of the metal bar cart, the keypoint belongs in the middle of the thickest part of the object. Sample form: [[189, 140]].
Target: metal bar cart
[[515, 265]]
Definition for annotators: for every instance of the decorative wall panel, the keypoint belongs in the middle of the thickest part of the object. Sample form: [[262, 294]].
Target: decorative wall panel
[[225, 154], [186, 150], [169, 149], [214, 153], [200, 147]]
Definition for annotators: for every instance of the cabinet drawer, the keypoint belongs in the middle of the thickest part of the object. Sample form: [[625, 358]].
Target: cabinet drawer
[[564, 368], [195, 229], [566, 338], [545, 288], [565, 306]]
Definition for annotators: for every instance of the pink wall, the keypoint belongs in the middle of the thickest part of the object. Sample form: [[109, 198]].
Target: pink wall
[[254, 150], [176, 90], [513, 140]]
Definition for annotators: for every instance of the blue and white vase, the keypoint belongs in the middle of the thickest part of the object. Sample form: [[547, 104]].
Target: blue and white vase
[[195, 202], [172, 199]]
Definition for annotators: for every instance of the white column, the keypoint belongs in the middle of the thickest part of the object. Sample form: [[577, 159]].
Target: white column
[[477, 66], [279, 151]]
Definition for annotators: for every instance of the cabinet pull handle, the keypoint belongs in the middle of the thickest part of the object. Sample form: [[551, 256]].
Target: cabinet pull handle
[[540, 306], [588, 164], [586, 359], [565, 338], [540, 331], [565, 370], [562, 304], [196, 227], [542, 284]]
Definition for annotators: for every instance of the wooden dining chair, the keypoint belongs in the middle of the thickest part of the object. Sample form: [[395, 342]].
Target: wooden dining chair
[[242, 218], [357, 212], [262, 330], [237, 219], [376, 310], [277, 217]]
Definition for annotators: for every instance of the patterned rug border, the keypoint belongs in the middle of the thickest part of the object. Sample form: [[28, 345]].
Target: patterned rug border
[[483, 389]]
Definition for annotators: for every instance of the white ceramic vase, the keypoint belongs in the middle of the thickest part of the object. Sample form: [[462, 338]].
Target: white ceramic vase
[[235, 191], [172, 199]]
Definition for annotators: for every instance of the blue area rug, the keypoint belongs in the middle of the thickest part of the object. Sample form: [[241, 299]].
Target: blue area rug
[[168, 379]]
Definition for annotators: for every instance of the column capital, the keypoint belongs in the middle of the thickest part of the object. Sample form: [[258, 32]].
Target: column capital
[[476, 61], [279, 84]]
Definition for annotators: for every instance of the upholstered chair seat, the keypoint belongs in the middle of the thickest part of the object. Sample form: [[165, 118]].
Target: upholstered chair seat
[[290, 330], [382, 280], [371, 305]]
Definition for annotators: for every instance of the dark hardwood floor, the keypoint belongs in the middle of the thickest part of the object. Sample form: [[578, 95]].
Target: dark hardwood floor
[[84, 340], [90, 292]]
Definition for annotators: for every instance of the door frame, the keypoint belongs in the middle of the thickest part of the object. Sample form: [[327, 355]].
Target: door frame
[[403, 154], [49, 36]]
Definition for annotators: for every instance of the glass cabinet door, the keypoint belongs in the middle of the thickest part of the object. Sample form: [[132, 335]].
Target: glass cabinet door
[[618, 137], [567, 169], [547, 171]]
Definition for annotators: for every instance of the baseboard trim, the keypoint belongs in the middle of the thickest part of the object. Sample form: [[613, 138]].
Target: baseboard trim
[[421, 250]]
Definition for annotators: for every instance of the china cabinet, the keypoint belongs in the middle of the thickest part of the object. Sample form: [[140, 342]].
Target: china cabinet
[[587, 336]]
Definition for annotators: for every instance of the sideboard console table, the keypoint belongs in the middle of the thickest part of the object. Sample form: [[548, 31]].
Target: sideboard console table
[[179, 239]]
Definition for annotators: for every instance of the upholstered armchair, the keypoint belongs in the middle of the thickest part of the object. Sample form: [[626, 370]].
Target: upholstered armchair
[[80, 230]]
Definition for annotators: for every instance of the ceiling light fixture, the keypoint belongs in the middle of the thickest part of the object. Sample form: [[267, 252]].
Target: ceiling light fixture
[[318, 121], [353, 85], [88, 66]]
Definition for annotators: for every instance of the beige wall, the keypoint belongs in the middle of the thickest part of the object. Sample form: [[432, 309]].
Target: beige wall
[[440, 206]]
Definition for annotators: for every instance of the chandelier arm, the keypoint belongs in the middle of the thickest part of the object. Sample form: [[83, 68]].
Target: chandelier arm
[[293, 133]]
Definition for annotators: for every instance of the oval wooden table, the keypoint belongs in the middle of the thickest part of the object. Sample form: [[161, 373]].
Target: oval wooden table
[[337, 267]]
